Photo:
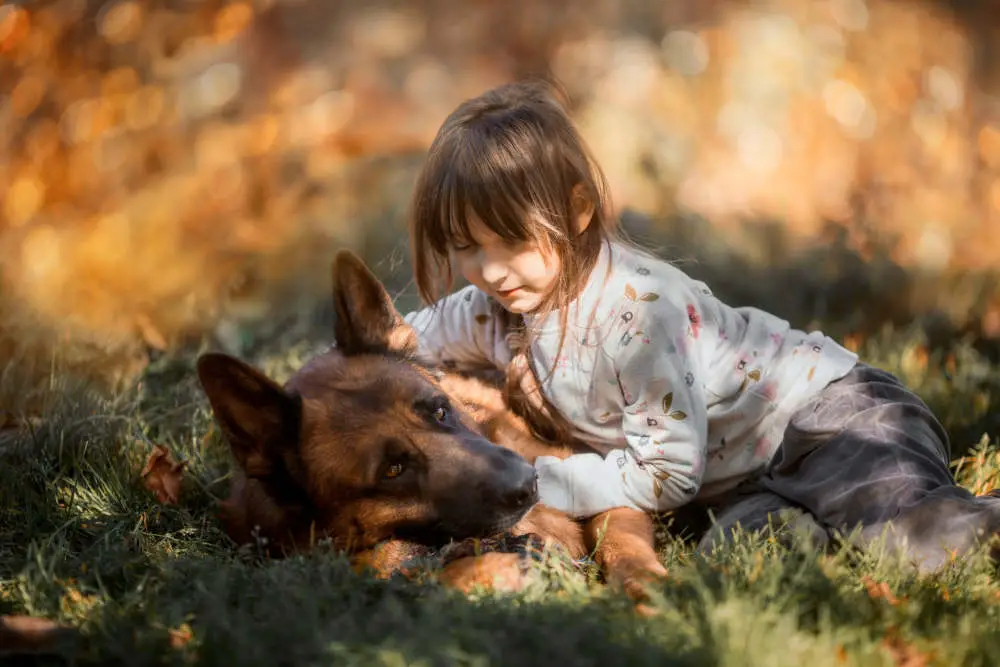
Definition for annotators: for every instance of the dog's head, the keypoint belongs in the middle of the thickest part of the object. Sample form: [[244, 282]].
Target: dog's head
[[362, 443]]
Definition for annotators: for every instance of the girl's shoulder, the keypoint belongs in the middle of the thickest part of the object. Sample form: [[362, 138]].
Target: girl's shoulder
[[650, 305], [460, 308], [644, 277], [470, 300]]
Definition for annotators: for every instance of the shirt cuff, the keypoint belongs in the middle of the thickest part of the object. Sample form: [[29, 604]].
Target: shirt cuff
[[581, 485]]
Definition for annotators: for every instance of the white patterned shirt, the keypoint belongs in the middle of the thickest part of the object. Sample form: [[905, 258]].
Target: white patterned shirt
[[680, 395]]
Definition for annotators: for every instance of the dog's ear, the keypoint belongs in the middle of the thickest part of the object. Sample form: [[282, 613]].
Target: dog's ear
[[367, 320], [258, 418]]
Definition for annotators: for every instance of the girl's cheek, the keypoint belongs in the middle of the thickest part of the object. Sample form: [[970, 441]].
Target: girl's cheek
[[469, 269]]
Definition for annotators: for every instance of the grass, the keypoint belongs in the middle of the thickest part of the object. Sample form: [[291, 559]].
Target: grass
[[84, 543]]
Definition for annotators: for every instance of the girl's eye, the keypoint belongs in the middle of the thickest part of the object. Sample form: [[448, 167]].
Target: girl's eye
[[517, 244], [394, 470], [459, 247]]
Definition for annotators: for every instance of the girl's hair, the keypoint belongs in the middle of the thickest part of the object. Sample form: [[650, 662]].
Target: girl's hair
[[513, 159]]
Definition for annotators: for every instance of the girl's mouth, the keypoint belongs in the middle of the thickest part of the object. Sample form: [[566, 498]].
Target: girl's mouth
[[507, 293]]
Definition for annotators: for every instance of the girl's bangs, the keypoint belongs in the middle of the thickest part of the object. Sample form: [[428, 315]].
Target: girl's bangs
[[495, 197]]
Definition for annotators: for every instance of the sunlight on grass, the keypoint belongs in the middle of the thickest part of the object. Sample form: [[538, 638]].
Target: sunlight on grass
[[84, 543]]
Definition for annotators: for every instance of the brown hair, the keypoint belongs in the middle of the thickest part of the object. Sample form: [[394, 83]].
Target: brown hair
[[513, 159]]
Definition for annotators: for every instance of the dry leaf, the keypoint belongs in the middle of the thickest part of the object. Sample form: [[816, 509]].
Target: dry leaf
[[649, 296], [878, 590], [668, 400], [904, 654], [180, 636], [31, 634], [754, 375], [482, 319], [162, 475], [629, 292], [853, 342]]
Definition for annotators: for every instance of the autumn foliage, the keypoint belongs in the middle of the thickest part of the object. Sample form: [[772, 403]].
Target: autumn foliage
[[170, 170]]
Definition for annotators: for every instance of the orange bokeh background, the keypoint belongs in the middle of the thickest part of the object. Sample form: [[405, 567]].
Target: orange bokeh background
[[178, 170]]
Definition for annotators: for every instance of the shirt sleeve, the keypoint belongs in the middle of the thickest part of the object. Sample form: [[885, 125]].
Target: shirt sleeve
[[664, 425], [461, 331]]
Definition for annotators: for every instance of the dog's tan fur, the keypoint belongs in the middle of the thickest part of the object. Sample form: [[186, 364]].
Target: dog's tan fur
[[306, 452]]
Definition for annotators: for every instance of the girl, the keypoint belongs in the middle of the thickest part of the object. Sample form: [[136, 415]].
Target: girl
[[680, 396]]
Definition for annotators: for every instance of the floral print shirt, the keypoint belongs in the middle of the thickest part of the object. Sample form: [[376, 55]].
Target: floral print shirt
[[680, 395]]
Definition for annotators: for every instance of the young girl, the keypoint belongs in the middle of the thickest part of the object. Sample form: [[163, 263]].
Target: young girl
[[681, 396]]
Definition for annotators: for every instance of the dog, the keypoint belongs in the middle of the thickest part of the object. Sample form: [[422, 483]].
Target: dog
[[387, 457]]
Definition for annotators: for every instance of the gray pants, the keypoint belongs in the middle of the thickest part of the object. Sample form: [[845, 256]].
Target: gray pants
[[867, 454]]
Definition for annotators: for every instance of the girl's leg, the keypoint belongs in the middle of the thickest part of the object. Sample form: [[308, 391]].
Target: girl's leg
[[752, 510], [868, 452]]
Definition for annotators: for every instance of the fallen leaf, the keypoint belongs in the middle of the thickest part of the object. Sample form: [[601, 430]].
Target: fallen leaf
[[31, 634], [162, 475], [180, 636], [878, 590], [630, 292], [853, 342], [904, 654]]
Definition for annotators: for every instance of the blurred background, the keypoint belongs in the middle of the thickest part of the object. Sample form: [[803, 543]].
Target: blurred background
[[179, 173]]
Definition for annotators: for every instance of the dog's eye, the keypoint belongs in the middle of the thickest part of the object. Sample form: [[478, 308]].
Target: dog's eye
[[394, 470], [436, 412]]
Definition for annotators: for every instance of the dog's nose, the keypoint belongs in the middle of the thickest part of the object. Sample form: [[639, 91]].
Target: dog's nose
[[524, 491]]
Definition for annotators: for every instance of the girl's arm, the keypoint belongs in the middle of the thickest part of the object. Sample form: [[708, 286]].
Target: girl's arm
[[664, 423], [461, 330]]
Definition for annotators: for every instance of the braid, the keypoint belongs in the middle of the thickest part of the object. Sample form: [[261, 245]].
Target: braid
[[522, 389]]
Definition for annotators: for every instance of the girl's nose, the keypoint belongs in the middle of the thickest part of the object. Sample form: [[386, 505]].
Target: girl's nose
[[494, 271]]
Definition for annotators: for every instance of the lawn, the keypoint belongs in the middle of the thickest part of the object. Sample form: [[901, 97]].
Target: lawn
[[85, 543]]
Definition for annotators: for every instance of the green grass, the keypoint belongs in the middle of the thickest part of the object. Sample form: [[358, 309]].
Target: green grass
[[82, 542]]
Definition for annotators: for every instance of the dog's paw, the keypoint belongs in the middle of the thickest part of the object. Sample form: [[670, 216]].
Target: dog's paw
[[524, 544], [499, 572], [635, 577]]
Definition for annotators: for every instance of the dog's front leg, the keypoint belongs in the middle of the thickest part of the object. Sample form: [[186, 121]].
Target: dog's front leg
[[622, 541], [387, 558], [556, 529], [495, 571], [491, 571]]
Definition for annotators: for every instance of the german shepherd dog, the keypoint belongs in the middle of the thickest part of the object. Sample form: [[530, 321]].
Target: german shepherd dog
[[384, 455]]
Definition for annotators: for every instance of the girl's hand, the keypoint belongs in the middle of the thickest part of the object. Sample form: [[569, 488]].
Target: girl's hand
[[553, 485], [581, 485]]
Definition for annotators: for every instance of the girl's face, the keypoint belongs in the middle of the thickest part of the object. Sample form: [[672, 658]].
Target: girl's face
[[519, 275]]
